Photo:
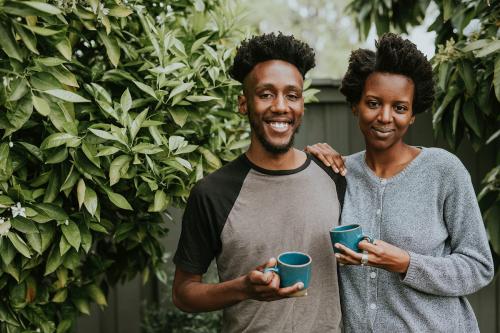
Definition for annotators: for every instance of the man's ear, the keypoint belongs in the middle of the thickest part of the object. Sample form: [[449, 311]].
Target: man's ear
[[242, 104]]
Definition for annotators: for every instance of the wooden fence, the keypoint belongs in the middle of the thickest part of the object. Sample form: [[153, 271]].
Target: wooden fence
[[330, 121]]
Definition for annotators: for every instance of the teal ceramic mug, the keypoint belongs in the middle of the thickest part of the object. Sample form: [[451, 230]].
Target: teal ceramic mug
[[293, 267], [348, 235]]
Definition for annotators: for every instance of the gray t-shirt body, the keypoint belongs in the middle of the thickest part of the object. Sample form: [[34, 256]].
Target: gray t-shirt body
[[242, 215], [430, 210]]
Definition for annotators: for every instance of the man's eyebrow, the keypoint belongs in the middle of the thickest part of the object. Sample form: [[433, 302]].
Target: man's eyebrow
[[270, 85]]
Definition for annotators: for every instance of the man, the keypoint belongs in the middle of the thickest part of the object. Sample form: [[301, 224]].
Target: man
[[272, 199]]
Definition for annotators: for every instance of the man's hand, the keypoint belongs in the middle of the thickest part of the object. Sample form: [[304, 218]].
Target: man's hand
[[265, 286], [329, 156]]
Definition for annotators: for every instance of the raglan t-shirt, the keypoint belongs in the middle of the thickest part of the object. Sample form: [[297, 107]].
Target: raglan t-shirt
[[242, 215]]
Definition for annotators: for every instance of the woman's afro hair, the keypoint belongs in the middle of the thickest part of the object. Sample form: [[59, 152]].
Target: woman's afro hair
[[394, 55], [271, 47]]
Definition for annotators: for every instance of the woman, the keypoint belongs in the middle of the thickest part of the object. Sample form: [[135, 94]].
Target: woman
[[430, 247]]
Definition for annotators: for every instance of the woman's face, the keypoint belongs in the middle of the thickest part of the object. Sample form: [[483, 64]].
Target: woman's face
[[385, 109]]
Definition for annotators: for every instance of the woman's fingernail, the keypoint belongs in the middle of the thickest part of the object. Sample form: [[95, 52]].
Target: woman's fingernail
[[300, 285], [337, 256]]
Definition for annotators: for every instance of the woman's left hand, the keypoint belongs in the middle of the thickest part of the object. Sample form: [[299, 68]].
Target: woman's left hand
[[380, 254]]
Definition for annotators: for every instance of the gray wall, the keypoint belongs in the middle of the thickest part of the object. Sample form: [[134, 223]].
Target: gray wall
[[330, 121]]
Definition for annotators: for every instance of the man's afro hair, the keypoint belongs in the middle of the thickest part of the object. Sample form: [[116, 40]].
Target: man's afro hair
[[271, 47], [394, 55]]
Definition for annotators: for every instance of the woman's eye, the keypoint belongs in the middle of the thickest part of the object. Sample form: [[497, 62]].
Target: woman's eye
[[372, 104], [400, 108]]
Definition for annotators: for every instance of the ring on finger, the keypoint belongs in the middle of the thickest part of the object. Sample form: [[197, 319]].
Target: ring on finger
[[364, 259]]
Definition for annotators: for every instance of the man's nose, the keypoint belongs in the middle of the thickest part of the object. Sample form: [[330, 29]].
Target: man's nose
[[280, 104]]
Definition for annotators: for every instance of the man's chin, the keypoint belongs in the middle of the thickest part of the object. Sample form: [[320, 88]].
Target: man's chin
[[277, 149]]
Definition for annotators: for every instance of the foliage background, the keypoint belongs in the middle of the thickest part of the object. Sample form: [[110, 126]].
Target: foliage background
[[467, 71], [109, 112]]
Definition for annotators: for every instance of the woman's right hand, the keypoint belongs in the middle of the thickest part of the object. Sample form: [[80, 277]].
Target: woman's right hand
[[329, 156]]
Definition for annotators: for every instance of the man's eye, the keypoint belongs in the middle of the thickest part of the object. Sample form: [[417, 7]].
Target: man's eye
[[265, 96], [292, 97]]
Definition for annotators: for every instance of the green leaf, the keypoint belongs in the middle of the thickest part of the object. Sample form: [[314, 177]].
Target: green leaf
[[96, 294], [147, 89], [54, 260], [467, 73], [448, 8], [50, 61], [64, 246], [179, 116], [80, 192], [28, 38], [35, 241], [184, 163], [118, 168], [56, 140], [23, 225], [198, 43], [212, 159], [167, 69], [197, 99], [9, 44], [107, 151], [137, 123], [20, 88], [86, 238], [496, 77], [63, 75], [119, 200], [7, 251], [492, 47], [90, 201], [82, 305], [180, 89], [40, 30], [471, 117], [64, 47], [126, 101], [22, 113], [66, 95], [147, 148], [112, 48], [160, 202], [60, 296], [19, 244], [43, 7], [72, 234], [493, 137], [120, 11], [55, 212], [41, 105]]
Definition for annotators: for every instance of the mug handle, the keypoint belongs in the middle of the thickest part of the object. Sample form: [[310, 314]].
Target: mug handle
[[365, 237], [271, 269]]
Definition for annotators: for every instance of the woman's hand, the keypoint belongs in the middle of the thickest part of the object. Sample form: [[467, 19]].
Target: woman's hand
[[380, 254], [329, 156]]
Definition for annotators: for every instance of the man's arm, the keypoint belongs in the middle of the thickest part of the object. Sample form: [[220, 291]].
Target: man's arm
[[190, 294]]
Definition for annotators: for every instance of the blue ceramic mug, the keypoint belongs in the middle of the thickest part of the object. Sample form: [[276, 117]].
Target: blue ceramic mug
[[348, 235], [293, 267]]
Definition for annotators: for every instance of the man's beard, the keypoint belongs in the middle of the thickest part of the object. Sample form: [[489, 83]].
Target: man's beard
[[268, 146]]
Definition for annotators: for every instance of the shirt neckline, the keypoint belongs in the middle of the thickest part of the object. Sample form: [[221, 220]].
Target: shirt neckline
[[277, 172], [394, 178]]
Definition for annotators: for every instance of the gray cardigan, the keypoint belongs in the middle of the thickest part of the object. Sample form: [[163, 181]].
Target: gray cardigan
[[430, 210]]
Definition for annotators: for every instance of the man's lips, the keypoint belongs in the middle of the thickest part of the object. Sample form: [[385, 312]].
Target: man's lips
[[279, 125]]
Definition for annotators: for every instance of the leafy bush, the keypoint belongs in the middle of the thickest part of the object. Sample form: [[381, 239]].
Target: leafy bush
[[467, 72], [109, 112], [165, 318]]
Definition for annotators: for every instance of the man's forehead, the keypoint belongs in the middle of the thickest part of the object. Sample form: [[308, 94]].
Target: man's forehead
[[272, 72]]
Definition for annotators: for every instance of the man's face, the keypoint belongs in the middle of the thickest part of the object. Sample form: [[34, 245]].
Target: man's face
[[274, 103]]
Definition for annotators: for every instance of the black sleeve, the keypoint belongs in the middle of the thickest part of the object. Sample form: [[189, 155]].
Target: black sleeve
[[200, 240], [338, 179], [207, 209]]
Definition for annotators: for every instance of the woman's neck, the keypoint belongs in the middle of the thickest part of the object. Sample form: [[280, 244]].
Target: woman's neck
[[389, 162]]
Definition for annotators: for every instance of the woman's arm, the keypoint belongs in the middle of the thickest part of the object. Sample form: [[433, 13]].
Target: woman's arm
[[329, 156]]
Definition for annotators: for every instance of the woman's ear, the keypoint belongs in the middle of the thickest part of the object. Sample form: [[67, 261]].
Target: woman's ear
[[412, 120], [354, 110], [242, 104]]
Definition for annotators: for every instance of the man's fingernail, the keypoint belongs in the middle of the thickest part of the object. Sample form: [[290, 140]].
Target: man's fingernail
[[337, 256], [300, 285]]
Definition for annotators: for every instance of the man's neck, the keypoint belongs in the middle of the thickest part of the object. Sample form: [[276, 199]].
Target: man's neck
[[289, 160]]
